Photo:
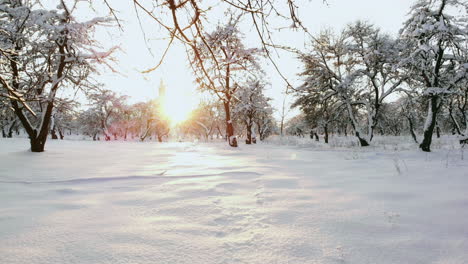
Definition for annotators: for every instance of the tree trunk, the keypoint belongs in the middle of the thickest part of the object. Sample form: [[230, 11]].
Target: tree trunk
[[411, 127], [10, 130], [325, 128], [362, 141], [229, 127], [60, 133], [53, 133], [429, 124], [4, 135], [248, 140], [438, 131], [148, 126], [454, 121], [37, 144]]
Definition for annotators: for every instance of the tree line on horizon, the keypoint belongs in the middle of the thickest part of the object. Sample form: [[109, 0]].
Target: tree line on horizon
[[350, 80]]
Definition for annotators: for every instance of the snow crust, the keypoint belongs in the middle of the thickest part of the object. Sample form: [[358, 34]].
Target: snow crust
[[129, 202]]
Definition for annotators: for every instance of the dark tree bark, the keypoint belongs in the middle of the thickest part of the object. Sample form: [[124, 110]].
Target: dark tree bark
[[60, 133], [248, 140], [53, 133], [325, 129], [249, 124], [411, 128], [362, 141], [229, 126], [456, 126], [37, 144], [429, 129]]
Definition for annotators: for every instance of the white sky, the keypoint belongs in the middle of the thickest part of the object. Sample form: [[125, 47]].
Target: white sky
[[135, 57]]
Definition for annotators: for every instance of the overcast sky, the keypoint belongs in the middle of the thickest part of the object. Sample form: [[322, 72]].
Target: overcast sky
[[135, 56]]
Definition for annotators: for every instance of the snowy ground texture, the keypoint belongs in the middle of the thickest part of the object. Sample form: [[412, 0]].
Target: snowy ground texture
[[129, 202]]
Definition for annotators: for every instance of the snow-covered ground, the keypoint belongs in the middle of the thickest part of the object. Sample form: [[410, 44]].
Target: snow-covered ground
[[129, 202]]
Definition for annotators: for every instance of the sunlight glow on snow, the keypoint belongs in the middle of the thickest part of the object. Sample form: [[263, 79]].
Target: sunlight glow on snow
[[178, 104]]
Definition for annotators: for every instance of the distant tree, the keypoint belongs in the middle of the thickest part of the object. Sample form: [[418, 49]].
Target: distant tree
[[320, 111], [297, 126], [206, 120], [266, 123], [62, 117], [108, 107], [150, 120], [251, 104], [8, 121], [90, 123]]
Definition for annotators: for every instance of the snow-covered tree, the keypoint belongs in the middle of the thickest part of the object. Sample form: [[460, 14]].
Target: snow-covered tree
[[90, 123], [435, 61], [206, 120], [8, 120], [149, 120], [320, 111], [251, 104], [107, 106], [376, 73], [42, 52], [330, 72], [297, 126], [266, 123], [225, 62], [63, 117]]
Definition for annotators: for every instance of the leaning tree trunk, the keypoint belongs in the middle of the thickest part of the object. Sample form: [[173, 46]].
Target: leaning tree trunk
[[363, 142], [411, 128], [143, 136], [430, 124], [454, 121]]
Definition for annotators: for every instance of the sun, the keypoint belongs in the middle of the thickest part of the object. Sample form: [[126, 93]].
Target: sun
[[178, 104]]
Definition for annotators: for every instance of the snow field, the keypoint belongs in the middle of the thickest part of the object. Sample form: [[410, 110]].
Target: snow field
[[130, 202]]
